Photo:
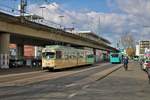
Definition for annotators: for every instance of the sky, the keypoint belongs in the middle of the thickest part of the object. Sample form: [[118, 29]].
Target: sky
[[107, 18]]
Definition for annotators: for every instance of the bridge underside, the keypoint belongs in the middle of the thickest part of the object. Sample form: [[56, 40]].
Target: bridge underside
[[20, 41], [30, 33], [27, 40]]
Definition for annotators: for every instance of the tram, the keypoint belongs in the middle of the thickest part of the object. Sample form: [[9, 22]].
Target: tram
[[59, 57]]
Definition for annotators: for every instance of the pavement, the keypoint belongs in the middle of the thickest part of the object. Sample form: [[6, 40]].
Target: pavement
[[120, 85]]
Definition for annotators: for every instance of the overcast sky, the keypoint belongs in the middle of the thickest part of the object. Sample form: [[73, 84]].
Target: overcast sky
[[108, 18]]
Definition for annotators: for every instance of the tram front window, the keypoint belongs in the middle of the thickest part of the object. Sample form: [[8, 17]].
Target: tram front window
[[48, 55]]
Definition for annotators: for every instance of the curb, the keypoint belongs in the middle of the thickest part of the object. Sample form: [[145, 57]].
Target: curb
[[97, 76], [109, 71]]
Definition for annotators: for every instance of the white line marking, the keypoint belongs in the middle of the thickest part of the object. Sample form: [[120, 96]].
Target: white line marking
[[72, 95], [86, 86], [70, 85]]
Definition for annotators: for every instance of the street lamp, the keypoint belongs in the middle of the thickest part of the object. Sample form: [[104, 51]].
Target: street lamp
[[73, 26], [42, 7], [23, 5], [61, 20]]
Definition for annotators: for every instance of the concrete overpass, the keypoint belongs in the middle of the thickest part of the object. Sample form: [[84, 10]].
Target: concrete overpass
[[12, 30]]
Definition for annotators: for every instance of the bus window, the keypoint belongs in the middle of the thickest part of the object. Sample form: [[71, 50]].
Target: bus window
[[114, 55], [48, 55], [58, 54], [90, 56]]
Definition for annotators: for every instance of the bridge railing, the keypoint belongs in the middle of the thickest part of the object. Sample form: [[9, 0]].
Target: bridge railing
[[9, 10], [16, 13], [47, 23]]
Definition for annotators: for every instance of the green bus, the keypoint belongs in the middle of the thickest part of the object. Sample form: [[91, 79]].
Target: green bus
[[115, 58]]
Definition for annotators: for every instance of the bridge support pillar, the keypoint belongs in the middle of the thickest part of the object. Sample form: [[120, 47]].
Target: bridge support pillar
[[94, 52], [38, 50], [20, 51], [4, 50]]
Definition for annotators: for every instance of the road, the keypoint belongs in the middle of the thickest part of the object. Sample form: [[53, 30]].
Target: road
[[78, 84]]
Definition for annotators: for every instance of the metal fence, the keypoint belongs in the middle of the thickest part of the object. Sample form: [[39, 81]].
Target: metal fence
[[16, 13]]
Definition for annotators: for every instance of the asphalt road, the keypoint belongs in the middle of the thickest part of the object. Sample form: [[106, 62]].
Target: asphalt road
[[119, 85]]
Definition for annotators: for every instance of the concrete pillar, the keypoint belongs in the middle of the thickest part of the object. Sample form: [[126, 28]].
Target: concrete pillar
[[20, 51], [35, 52], [38, 51], [94, 52], [4, 50]]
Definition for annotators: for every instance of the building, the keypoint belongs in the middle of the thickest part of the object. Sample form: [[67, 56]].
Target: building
[[142, 47], [137, 50]]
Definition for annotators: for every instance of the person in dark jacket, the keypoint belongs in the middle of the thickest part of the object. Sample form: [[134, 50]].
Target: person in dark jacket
[[125, 61]]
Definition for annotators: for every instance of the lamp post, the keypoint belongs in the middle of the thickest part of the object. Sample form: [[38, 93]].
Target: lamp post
[[42, 8], [61, 21], [73, 26], [99, 24], [23, 5]]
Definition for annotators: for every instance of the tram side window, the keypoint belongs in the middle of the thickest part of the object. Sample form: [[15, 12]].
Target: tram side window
[[58, 54]]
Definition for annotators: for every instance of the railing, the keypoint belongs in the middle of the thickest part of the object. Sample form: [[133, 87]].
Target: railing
[[15, 12], [9, 10], [47, 23]]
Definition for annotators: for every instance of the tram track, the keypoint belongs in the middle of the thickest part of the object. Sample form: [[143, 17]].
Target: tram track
[[66, 80], [29, 78], [12, 77]]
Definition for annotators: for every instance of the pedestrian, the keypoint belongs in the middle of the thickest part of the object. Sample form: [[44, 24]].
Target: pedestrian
[[148, 74], [125, 61]]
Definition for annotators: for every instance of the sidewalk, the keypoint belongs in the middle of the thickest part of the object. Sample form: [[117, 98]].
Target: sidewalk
[[120, 85], [19, 70]]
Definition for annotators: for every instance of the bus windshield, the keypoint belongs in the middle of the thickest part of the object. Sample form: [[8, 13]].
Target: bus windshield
[[114, 55], [90, 56], [136, 56], [48, 55]]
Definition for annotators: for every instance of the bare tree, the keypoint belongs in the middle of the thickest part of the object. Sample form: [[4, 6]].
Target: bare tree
[[127, 41]]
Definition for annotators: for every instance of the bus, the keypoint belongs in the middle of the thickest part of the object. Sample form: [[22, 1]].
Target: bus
[[60, 57], [115, 58], [136, 58]]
